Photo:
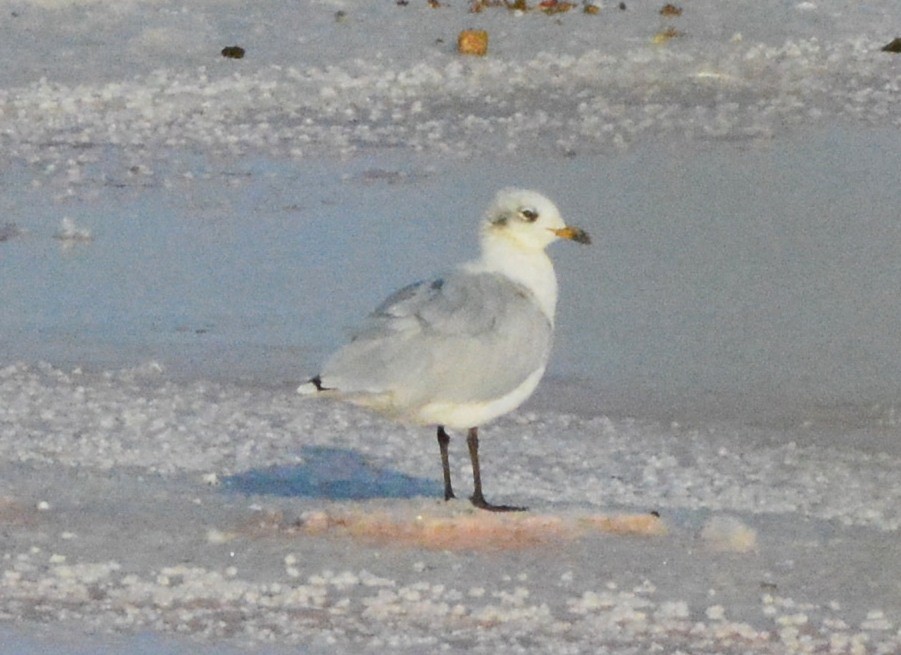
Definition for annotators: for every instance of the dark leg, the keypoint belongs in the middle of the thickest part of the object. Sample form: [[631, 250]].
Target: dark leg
[[472, 440], [443, 440]]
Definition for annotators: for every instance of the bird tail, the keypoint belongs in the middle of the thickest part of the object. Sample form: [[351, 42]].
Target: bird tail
[[311, 387]]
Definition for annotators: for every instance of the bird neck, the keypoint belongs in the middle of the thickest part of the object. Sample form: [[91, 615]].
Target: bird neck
[[529, 267]]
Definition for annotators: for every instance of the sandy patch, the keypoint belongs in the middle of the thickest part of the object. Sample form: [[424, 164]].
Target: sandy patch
[[442, 529]]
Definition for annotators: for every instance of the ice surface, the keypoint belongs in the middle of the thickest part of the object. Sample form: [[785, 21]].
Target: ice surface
[[111, 523], [727, 353], [772, 301], [147, 80]]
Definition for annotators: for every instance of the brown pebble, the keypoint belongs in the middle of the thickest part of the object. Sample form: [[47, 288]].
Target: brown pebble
[[671, 10], [473, 42], [233, 52]]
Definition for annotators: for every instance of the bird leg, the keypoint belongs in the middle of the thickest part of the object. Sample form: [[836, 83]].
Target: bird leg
[[472, 440], [443, 441]]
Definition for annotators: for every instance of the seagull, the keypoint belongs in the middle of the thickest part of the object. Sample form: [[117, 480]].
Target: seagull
[[460, 350]]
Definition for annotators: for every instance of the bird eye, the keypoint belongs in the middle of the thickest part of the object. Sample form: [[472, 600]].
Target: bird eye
[[529, 215]]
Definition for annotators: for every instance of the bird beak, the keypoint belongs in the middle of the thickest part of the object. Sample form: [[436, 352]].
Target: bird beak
[[576, 234]]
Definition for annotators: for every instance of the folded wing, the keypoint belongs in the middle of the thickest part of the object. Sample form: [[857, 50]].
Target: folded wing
[[469, 337]]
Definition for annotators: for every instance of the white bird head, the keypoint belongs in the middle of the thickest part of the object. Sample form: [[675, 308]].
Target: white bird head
[[530, 220]]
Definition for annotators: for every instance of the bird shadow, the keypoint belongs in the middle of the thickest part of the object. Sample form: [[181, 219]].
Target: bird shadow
[[332, 474]]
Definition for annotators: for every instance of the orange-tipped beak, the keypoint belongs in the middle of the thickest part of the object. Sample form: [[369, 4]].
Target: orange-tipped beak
[[576, 234]]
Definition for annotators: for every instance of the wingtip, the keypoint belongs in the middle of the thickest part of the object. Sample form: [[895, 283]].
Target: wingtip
[[311, 387]]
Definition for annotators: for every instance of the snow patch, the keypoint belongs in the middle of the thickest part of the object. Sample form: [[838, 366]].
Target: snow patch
[[729, 534]]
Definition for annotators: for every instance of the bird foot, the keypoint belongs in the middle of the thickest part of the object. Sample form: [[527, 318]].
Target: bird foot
[[481, 503]]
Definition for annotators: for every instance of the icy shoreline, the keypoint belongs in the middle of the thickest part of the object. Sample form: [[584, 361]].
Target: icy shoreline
[[140, 420], [111, 523], [593, 84], [705, 297], [602, 101]]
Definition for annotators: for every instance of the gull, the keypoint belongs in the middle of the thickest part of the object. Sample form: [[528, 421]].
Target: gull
[[460, 350]]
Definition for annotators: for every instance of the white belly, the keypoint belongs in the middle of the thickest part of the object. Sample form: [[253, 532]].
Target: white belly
[[461, 416]]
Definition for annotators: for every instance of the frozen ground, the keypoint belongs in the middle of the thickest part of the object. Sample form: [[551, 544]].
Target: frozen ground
[[183, 237]]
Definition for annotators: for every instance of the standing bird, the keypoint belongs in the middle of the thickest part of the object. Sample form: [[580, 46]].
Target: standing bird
[[460, 350]]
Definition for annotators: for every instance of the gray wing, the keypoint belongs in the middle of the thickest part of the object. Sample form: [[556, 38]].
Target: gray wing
[[464, 338]]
